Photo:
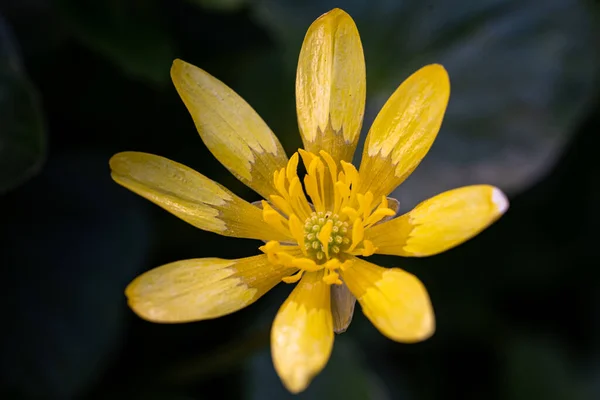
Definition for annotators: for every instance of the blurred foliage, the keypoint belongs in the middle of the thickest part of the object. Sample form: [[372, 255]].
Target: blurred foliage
[[517, 307], [22, 132], [74, 257], [220, 5], [345, 366], [129, 33], [537, 367], [536, 63]]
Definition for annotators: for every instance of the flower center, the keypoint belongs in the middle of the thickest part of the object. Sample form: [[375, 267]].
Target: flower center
[[330, 228], [325, 235]]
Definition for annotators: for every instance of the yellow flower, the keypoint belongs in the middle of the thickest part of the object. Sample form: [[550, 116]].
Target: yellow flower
[[313, 228]]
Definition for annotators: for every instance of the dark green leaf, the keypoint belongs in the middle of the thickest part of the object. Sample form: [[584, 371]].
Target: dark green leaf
[[131, 34], [72, 241], [538, 367], [22, 133]]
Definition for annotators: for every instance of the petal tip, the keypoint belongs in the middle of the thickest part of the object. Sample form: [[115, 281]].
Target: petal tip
[[335, 16], [435, 73], [177, 68], [500, 200], [295, 385], [177, 63], [117, 160], [336, 12]]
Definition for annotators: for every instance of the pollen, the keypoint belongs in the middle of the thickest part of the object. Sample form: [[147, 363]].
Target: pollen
[[325, 236], [327, 231]]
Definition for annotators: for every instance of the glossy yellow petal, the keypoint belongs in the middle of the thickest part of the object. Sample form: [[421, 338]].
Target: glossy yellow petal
[[331, 86], [302, 333], [395, 301], [230, 128], [342, 307], [203, 288], [440, 223], [404, 130], [190, 196]]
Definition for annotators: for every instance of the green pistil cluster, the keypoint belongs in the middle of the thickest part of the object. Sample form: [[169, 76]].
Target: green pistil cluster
[[338, 239]]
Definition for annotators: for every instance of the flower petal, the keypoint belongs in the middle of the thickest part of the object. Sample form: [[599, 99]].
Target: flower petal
[[404, 130], [395, 301], [233, 132], [331, 86], [342, 307], [203, 288], [440, 223], [190, 196], [302, 333]]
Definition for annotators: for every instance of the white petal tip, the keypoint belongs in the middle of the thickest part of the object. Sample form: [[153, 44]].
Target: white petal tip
[[500, 200]]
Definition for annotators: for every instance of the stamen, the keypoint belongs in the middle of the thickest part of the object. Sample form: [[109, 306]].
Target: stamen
[[365, 204], [322, 232], [292, 167], [351, 213], [384, 202], [279, 181], [368, 248], [297, 231], [281, 204], [307, 157], [274, 219], [330, 164], [310, 184], [306, 264], [332, 278], [293, 278], [358, 233], [325, 236], [378, 215]]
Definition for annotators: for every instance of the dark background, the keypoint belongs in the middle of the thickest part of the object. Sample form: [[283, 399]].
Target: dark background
[[518, 307]]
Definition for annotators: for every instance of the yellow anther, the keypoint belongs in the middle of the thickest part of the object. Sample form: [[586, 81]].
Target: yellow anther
[[340, 193], [270, 246], [298, 200], [332, 264], [274, 219], [307, 157], [330, 164], [292, 167], [312, 189], [384, 202], [285, 258], [281, 203], [358, 233], [335, 223], [351, 213], [351, 174], [279, 181], [297, 231], [368, 248], [332, 278], [295, 187], [325, 235], [306, 264], [378, 215], [269, 249], [364, 201], [367, 206], [346, 264], [293, 278]]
